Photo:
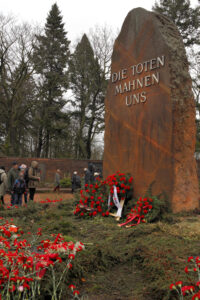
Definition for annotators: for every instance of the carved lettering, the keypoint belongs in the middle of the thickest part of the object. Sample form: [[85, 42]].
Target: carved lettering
[[118, 89], [143, 97], [137, 83], [160, 61]]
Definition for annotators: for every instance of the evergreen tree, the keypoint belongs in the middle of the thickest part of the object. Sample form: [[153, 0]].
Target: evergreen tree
[[186, 18], [51, 56], [88, 85]]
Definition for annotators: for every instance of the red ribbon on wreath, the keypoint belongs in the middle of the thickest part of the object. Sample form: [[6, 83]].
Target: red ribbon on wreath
[[138, 213]]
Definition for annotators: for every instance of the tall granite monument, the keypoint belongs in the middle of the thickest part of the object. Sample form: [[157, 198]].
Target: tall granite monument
[[150, 111]]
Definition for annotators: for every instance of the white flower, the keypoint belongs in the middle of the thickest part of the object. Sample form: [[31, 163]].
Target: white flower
[[21, 288]]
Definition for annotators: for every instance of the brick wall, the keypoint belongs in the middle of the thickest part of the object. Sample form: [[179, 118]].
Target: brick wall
[[49, 166], [67, 166]]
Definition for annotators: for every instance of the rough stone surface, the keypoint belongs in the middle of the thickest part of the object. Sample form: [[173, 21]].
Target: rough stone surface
[[153, 140]]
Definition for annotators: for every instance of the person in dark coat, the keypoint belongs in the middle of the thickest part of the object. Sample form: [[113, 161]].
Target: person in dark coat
[[87, 176], [76, 182], [91, 169], [19, 189], [12, 176]]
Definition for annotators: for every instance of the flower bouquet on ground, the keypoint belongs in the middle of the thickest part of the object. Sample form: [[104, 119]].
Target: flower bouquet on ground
[[26, 265], [137, 214], [192, 289], [104, 195]]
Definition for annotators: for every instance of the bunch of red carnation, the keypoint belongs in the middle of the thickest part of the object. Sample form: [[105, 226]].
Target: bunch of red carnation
[[192, 290], [94, 198], [23, 264], [137, 214]]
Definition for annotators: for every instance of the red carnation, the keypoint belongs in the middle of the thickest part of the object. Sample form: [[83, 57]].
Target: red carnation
[[172, 286], [191, 258], [186, 270], [76, 293], [71, 286]]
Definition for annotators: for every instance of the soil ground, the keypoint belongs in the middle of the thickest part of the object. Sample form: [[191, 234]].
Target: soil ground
[[43, 196], [136, 263]]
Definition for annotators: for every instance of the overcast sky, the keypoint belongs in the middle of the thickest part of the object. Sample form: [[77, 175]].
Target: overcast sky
[[79, 15]]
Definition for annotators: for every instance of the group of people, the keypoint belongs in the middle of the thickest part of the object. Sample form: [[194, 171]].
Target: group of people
[[89, 178], [18, 181], [21, 179]]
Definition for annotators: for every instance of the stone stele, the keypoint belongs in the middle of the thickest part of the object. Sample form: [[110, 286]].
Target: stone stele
[[150, 111]]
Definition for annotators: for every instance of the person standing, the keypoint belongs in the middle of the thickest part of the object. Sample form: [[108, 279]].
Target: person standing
[[3, 183], [87, 176], [23, 168], [12, 176], [91, 169], [19, 189], [76, 182], [96, 176], [34, 178], [57, 181]]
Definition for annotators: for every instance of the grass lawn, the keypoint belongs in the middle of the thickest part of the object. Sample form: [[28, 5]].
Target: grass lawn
[[119, 263]]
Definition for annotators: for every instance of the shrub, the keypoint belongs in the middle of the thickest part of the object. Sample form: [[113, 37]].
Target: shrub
[[65, 182], [160, 205]]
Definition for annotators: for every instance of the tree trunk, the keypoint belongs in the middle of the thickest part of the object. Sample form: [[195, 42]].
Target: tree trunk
[[46, 153], [88, 149], [11, 139], [40, 142]]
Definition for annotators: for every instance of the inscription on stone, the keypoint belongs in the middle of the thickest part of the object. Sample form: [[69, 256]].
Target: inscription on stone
[[129, 84]]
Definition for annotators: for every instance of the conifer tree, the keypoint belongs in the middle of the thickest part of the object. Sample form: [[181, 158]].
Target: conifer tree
[[51, 56], [186, 18], [88, 85]]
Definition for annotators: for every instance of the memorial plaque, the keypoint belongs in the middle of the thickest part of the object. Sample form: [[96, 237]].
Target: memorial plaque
[[150, 111]]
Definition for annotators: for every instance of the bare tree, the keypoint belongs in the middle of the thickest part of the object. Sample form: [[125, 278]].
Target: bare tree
[[16, 82], [194, 59], [102, 40]]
